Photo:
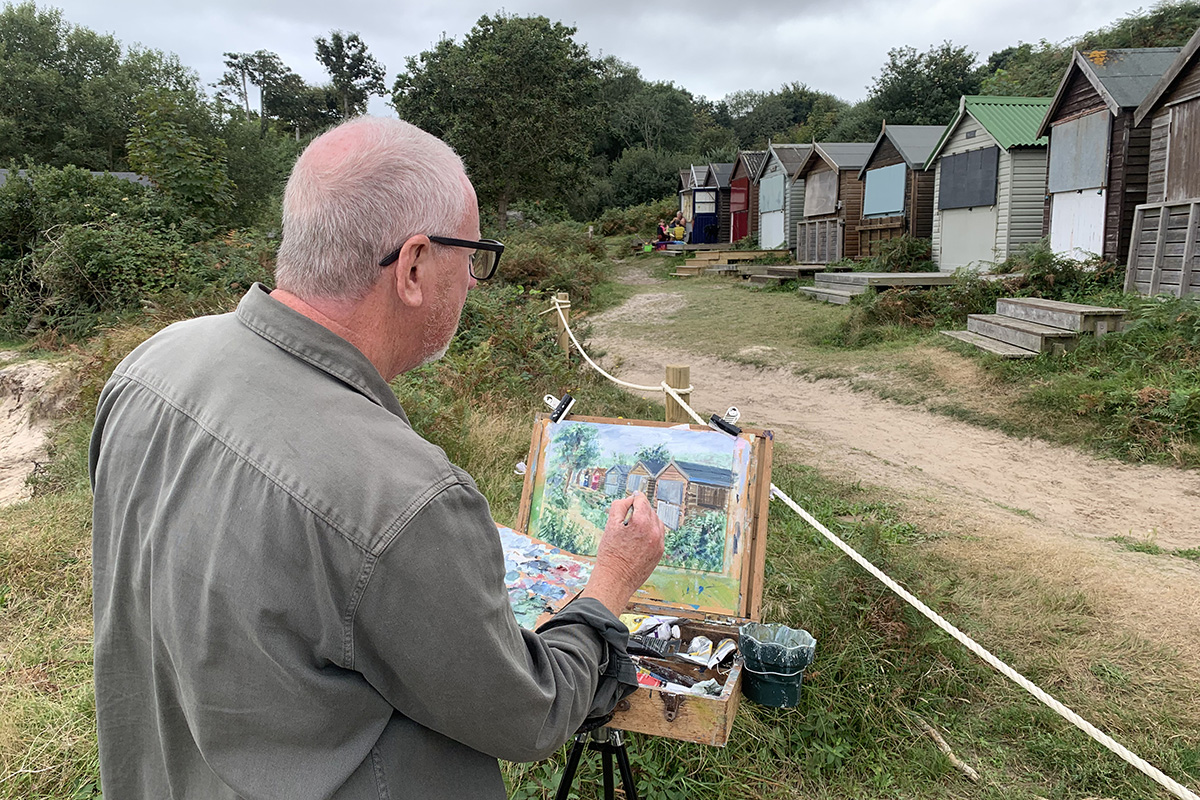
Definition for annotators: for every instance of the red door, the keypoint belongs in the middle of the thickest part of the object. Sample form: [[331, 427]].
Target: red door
[[739, 206]]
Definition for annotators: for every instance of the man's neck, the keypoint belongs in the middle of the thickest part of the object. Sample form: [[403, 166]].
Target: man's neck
[[348, 319]]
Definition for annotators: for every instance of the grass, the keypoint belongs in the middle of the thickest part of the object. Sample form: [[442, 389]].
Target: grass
[[880, 669], [1149, 547]]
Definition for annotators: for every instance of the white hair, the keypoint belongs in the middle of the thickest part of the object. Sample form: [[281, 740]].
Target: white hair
[[357, 193]]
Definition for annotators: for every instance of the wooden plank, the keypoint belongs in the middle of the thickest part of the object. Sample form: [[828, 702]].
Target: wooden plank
[[993, 346], [1189, 250], [1057, 314], [1022, 333], [827, 295], [1159, 254]]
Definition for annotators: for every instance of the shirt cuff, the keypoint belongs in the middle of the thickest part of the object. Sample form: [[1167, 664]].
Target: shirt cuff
[[618, 675]]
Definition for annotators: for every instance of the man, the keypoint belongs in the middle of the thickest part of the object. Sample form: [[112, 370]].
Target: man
[[295, 595]]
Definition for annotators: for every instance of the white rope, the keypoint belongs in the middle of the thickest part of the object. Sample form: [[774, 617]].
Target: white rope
[[1174, 787]]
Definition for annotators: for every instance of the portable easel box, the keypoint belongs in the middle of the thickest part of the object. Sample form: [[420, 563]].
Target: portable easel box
[[579, 465]]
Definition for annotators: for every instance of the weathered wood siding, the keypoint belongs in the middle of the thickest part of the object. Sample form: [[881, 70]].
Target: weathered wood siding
[[850, 196], [885, 155], [794, 209], [1156, 180], [917, 219], [1080, 98], [723, 218], [1164, 253], [1024, 192], [1128, 166]]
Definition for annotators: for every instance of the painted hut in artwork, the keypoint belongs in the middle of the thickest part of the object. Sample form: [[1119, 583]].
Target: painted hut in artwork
[[684, 490], [1166, 228], [989, 180], [897, 191], [642, 477], [780, 196], [743, 194], [828, 228], [615, 479], [1098, 157], [717, 178]]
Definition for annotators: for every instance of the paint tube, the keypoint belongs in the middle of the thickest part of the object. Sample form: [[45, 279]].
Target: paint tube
[[648, 625], [701, 651], [640, 645]]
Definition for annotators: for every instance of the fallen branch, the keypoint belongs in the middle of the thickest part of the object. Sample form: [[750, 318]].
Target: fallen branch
[[958, 763]]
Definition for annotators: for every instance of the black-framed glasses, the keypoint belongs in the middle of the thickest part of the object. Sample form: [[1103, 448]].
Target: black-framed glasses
[[484, 260]]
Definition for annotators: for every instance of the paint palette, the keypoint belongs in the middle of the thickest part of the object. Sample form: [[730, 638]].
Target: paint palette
[[710, 490]]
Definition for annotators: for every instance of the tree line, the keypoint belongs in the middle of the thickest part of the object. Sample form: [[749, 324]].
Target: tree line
[[537, 118]]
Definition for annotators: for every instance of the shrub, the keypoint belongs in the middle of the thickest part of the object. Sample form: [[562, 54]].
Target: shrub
[[556, 257], [901, 254], [636, 220]]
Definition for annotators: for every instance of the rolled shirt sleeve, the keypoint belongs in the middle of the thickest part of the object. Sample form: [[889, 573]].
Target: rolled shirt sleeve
[[433, 632]]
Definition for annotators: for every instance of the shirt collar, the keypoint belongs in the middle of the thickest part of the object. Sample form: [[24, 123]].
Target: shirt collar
[[312, 342]]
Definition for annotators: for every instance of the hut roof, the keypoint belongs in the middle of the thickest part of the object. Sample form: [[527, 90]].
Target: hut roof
[[131, 177], [1178, 67], [1011, 121], [619, 469], [753, 159], [653, 467], [705, 474], [684, 176], [718, 175], [789, 155], [1121, 76], [839, 155], [914, 142]]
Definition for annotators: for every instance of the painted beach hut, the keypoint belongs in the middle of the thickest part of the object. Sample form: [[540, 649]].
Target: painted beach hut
[[780, 196], [718, 179], [642, 477], [615, 480], [1098, 165], [1166, 229], [743, 194], [989, 180], [684, 489], [828, 229], [897, 191]]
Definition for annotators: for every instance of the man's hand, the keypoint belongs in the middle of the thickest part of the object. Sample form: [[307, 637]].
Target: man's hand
[[628, 552]]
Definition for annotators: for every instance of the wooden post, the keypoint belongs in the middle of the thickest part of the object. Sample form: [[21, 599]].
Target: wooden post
[[564, 341], [678, 378]]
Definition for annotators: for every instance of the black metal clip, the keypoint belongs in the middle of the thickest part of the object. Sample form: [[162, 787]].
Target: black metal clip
[[562, 407], [726, 427]]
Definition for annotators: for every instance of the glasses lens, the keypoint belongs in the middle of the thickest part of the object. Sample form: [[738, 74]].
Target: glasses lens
[[483, 264]]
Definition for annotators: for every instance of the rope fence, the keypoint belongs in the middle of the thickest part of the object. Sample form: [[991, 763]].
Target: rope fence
[[1163, 780]]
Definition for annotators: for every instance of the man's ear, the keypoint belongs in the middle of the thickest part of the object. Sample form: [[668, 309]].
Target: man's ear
[[414, 269]]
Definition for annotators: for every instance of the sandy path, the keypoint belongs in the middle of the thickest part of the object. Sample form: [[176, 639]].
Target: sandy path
[[1019, 501], [25, 411]]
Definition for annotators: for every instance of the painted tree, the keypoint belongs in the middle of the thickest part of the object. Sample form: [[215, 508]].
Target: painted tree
[[578, 447], [515, 99], [656, 454], [355, 72]]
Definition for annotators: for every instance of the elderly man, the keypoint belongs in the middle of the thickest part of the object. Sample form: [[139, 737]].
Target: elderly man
[[296, 596]]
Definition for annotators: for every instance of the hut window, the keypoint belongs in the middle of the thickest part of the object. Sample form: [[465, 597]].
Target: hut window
[[884, 191], [820, 193], [968, 179], [670, 492], [706, 202], [711, 496]]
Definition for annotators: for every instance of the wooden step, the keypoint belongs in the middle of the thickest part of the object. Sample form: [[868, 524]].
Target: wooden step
[[765, 280], [1068, 316], [827, 295], [1022, 333], [723, 269], [822, 281], [891, 279], [692, 269], [1002, 349]]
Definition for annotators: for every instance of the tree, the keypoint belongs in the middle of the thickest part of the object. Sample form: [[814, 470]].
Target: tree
[[578, 447], [658, 453], [235, 82], [643, 176], [355, 72], [515, 99], [924, 88]]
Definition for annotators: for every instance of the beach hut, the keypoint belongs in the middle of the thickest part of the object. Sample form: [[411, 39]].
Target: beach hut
[[716, 179], [1166, 229], [698, 202], [897, 191], [989, 180], [780, 195], [1098, 157], [828, 229], [743, 194]]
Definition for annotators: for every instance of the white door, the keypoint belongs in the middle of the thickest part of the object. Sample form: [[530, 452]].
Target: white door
[[968, 236], [1077, 223], [770, 230]]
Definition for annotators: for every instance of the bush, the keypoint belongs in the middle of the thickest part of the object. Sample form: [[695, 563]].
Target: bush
[[636, 220], [901, 254], [558, 257]]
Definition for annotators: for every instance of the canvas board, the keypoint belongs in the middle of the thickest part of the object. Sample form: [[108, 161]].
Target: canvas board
[[704, 484]]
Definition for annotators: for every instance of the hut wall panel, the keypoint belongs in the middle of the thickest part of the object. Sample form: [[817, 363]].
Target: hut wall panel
[[1027, 196], [1186, 86], [1156, 181], [920, 212], [724, 221], [1080, 97], [1004, 173], [885, 155], [935, 229], [1183, 152], [1129, 159], [795, 210], [850, 192]]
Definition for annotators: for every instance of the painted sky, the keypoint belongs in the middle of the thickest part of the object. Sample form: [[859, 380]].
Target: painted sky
[[836, 46], [697, 446]]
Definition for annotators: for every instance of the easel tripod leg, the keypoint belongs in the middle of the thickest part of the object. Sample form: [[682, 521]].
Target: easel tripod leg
[[609, 784], [568, 776], [626, 772]]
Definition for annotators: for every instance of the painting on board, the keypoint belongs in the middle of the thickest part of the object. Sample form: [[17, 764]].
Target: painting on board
[[695, 479]]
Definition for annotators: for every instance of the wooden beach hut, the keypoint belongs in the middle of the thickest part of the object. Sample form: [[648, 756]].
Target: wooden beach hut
[[684, 489], [743, 194], [642, 477], [615, 480], [1166, 228], [1098, 165], [780, 195], [989, 180], [718, 179], [828, 228], [897, 191], [698, 202]]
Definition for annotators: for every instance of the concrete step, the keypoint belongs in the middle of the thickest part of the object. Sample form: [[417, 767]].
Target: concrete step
[[1069, 316], [1022, 333], [827, 295], [1002, 349], [891, 279], [766, 280]]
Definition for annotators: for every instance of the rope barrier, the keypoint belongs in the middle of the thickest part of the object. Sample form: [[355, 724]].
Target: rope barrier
[[1131, 758]]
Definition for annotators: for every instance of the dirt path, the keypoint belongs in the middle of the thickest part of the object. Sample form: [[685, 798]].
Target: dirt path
[[1002, 500], [26, 408]]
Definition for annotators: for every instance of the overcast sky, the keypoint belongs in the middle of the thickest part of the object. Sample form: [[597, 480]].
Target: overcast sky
[[709, 47]]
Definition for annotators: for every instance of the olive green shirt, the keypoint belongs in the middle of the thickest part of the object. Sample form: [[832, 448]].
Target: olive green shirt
[[296, 596]]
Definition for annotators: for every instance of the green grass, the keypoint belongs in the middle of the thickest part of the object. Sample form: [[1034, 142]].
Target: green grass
[[1150, 547]]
